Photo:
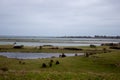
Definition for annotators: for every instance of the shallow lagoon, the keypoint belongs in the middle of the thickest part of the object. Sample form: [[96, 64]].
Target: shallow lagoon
[[41, 44], [34, 55], [40, 41]]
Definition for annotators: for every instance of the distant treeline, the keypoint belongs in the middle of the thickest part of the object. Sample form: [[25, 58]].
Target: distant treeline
[[32, 37], [96, 36]]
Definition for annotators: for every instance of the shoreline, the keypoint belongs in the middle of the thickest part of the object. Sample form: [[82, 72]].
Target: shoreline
[[53, 49]]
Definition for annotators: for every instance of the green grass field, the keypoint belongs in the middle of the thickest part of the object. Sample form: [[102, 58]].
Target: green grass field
[[103, 66]]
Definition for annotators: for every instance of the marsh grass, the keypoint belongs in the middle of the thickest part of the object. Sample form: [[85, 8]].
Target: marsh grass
[[100, 66], [96, 67], [31, 49]]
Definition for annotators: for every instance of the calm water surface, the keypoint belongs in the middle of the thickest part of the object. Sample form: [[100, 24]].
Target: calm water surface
[[34, 55], [39, 41]]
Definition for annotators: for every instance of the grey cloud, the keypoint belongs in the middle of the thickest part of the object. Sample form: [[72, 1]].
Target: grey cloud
[[64, 15]]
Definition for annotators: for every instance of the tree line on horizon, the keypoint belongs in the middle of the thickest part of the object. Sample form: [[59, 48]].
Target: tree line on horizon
[[96, 36]]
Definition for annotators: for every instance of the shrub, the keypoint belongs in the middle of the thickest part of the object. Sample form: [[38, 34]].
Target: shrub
[[72, 49], [44, 65], [51, 61], [23, 62], [18, 47], [57, 62], [86, 54], [76, 54], [20, 62], [105, 50], [4, 69], [50, 64], [92, 46], [114, 47], [40, 47], [63, 55], [54, 48]]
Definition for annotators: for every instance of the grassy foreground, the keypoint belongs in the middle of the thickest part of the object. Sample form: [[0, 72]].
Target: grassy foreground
[[104, 66]]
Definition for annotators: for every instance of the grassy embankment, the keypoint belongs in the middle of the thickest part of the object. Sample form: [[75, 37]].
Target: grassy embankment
[[104, 66], [52, 49]]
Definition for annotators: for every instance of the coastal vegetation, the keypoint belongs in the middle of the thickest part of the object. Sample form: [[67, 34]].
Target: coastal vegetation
[[104, 66], [98, 63], [53, 49], [96, 36]]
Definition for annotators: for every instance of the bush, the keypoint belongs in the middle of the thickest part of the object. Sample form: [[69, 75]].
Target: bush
[[72, 49], [40, 47], [86, 54], [105, 50], [57, 62], [76, 54], [50, 64], [114, 47], [20, 62], [92, 46], [44, 65], [18, 47], [23, 62], [51, 61], [63, 55], [4, 69]]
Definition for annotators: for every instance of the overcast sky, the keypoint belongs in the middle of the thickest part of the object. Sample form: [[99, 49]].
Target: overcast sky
[[59, 17]]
